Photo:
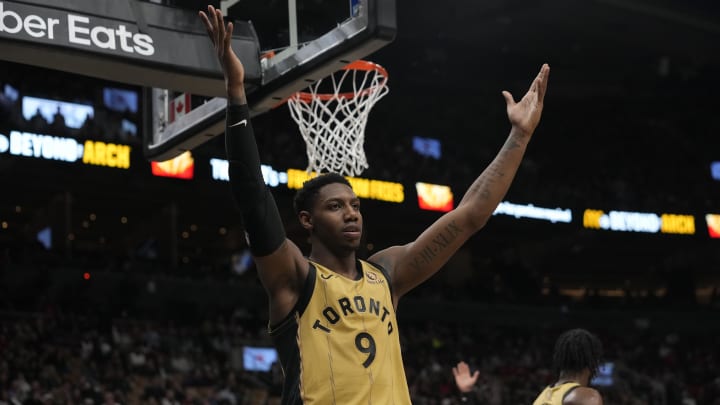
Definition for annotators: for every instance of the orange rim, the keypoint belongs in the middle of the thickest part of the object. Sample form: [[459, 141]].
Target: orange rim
[[357, 65]]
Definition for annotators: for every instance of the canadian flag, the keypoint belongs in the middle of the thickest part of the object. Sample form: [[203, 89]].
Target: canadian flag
[[179, 106]]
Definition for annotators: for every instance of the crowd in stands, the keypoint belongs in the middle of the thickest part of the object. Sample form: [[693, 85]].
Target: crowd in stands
[[515, 364], [57, 358], [63, 359]]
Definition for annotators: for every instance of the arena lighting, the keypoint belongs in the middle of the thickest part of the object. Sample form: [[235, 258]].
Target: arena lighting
[[434, 197], [713, 225], [128, 127], [41, 146], [179, 167], [11, 93], [604, 377], [86, 276], [48, 147], [120, 100], [715, 170], [628, 221], [428, 147], [241, 262], [364, 188], [272, 177], [258, 358], [294, 178], [73, 115], [530, 211], [44, 237]]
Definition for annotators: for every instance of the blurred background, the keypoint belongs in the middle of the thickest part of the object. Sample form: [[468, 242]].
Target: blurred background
[[124, 282]]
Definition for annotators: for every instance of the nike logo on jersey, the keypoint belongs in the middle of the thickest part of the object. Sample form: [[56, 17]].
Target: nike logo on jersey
[[326, 278], [243, 123]]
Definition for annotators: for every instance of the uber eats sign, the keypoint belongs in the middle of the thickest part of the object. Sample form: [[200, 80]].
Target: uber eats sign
[[75, 29], [121, 40]]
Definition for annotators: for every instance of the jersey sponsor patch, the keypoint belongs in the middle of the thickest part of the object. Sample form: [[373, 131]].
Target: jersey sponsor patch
[[373, 278]]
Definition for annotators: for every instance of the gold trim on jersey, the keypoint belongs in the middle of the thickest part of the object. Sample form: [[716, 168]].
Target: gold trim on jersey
[[555, 394]]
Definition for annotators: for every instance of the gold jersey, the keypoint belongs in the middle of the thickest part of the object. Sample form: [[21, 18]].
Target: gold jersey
[[340, 343], [554, 395]]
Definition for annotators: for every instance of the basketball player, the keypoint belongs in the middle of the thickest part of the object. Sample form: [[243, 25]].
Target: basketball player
[[575, 361], [332, 316]]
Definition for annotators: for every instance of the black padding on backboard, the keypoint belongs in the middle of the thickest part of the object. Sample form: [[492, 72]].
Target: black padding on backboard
[[325, 55]]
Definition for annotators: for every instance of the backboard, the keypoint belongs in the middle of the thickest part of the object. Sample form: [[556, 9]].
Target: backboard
[[136, 42], [309, 40]]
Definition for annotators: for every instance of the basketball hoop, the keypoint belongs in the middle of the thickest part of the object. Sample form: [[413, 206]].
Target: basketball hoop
[[332, 114]]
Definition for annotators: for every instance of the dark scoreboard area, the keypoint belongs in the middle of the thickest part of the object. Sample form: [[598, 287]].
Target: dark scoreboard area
[[76, 186]]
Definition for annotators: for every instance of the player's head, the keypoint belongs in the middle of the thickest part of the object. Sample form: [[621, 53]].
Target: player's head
[[575, 351], [328, 207], [306, 196]]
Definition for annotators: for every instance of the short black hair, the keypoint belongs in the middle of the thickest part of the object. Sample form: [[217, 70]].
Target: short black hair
[[305, 197], [576, 350]]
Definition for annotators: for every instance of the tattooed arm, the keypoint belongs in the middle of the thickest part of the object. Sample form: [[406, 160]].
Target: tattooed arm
[[411, 264]]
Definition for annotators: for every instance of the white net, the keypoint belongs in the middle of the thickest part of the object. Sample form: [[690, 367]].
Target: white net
[[332, 115]]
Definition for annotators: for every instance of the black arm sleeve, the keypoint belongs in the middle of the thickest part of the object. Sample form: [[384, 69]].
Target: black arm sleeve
[[259, 212]]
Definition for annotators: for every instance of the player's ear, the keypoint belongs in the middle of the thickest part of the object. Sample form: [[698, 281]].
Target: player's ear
[[305, 220]]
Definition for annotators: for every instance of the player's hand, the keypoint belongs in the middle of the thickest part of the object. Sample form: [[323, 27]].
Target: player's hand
[[221, 36], [464, 380], [525, 114]]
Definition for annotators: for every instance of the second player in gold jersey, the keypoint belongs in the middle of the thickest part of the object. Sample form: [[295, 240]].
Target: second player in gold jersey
[[554, 395], [576, 360]]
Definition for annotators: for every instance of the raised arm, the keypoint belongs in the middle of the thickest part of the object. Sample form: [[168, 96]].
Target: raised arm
[[281, 265], [463, 379], [411, 264]]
